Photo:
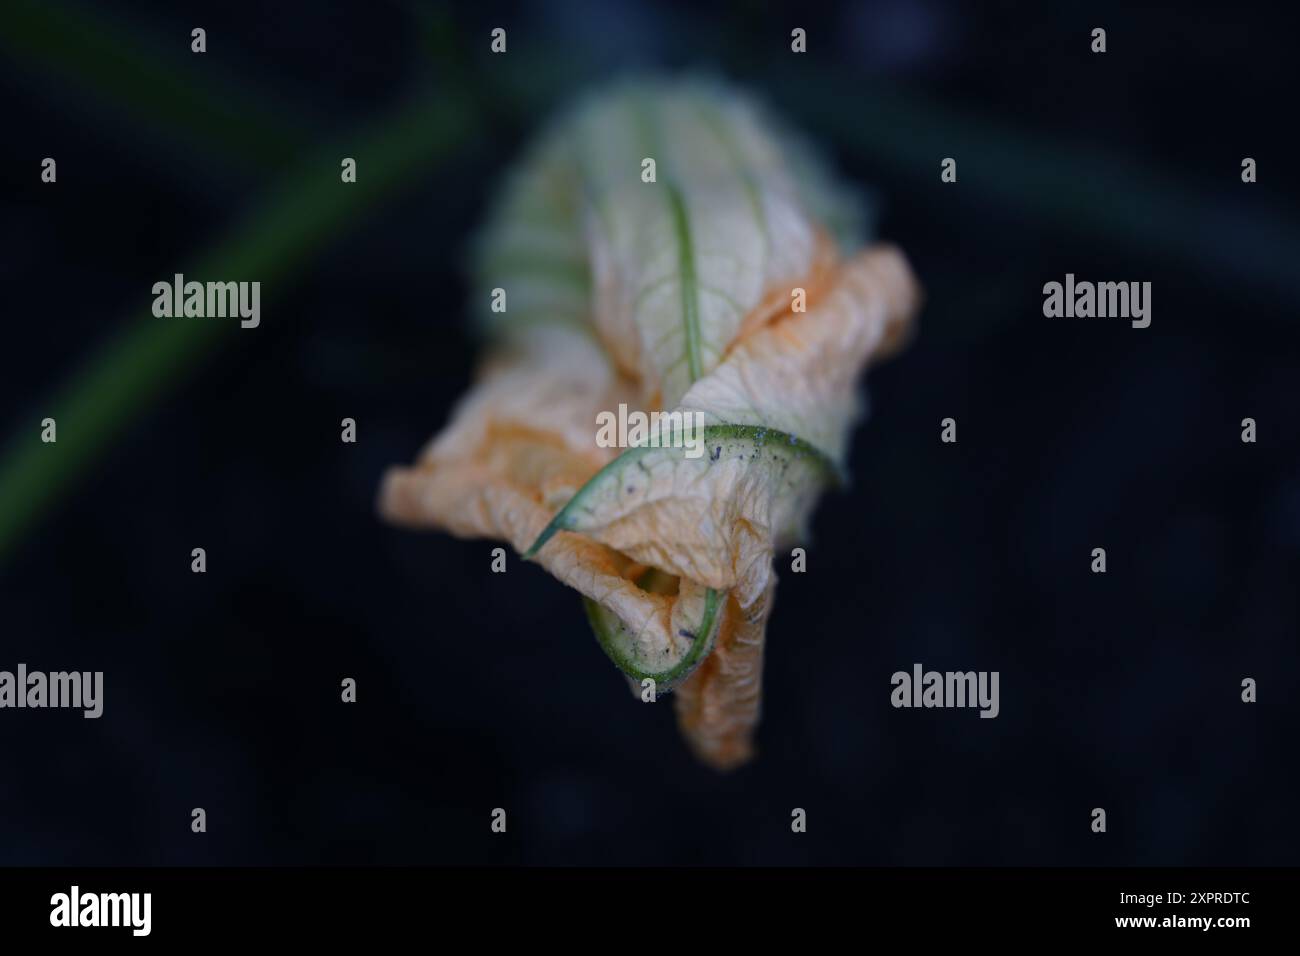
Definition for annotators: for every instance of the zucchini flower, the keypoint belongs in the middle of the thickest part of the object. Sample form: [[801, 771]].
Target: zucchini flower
[[665, 247]]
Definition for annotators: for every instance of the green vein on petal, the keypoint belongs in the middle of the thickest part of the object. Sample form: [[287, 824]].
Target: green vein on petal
[[752, 436], [690, 294], [619, 643]]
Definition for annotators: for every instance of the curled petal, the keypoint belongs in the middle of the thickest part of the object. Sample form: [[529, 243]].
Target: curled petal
[[672, 291]]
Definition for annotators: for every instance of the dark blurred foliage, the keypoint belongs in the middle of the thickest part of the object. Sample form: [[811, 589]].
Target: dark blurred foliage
[[479, 690]]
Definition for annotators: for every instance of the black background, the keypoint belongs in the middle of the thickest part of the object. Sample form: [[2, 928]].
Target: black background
[[479, 690]]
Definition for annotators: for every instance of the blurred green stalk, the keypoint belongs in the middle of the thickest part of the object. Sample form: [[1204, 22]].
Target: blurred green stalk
[[307, 209]]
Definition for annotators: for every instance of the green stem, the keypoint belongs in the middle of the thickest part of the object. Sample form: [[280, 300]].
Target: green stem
[[308, 209]]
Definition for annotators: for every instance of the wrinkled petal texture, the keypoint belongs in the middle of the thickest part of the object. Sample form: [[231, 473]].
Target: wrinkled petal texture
[[666, 295]]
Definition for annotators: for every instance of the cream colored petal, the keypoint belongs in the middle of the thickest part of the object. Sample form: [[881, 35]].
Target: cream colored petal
[[792, 379], [800, 374], [718, 705], [521, 441], [666, 272], [670, 294], [687, 516], [549, 381]]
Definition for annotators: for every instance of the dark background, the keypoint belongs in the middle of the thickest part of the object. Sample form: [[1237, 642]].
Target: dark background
[[479, 690]]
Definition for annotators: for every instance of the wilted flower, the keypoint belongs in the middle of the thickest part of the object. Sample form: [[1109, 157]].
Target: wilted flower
[[683, 290]]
